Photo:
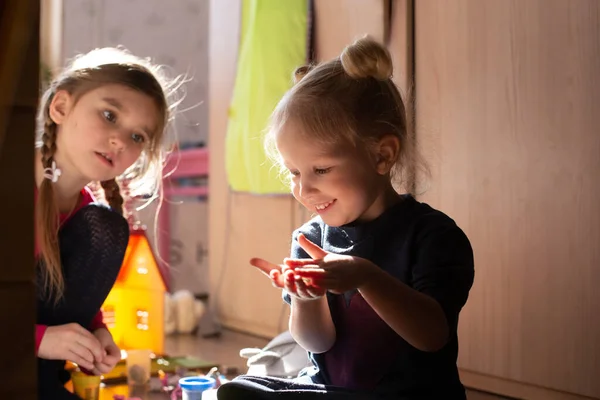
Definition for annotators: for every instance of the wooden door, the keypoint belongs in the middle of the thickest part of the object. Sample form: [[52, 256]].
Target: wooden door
[[508, 97]]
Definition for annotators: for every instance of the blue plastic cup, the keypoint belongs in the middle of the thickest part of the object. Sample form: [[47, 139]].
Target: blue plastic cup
[[192, 387]]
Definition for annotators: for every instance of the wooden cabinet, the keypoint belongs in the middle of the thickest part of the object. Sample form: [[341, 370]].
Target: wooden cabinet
[[19, 73], [508, 99]]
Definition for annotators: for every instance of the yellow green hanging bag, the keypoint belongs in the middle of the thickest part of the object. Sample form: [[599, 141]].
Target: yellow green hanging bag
[[273, 43]]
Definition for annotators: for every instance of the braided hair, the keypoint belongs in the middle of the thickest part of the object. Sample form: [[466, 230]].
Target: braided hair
[[84, 73]]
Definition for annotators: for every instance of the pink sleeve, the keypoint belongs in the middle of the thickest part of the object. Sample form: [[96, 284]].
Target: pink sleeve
[[40, 330], [97, 322]]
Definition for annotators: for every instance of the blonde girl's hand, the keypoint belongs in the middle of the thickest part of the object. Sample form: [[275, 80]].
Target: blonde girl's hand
[[283, 277], [333, 272]]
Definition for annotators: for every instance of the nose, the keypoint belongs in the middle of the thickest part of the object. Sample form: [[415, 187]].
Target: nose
[[306, 187], [117, 142]]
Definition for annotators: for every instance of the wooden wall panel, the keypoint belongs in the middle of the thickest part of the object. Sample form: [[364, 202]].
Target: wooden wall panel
[[507, 113], [241, 225], [340, 22], [401, 44], [51, 35]]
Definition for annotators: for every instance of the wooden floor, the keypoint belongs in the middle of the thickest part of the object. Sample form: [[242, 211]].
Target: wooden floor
[[225, 349]]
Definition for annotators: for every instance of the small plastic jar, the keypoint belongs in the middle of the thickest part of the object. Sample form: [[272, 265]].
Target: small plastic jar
[[192, 387]]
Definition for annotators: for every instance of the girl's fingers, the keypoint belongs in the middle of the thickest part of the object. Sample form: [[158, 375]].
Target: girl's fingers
[[263, 265], [102, 368], [311, 249], [276, 278], [302, 290], [298, 262], [311, 273], [81, 356], [86, 339], [289, 282]]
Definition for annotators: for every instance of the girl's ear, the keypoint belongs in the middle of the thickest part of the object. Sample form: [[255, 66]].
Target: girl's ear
[[387, 151], [60, 106]]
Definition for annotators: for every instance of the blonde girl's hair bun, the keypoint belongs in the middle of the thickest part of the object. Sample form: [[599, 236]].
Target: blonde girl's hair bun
[[366, 58]]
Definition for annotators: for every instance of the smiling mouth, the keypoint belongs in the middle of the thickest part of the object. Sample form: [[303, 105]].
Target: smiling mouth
[[106, 158], [324, 206]]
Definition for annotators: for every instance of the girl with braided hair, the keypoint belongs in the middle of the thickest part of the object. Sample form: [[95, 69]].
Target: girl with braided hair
[[102, 120]]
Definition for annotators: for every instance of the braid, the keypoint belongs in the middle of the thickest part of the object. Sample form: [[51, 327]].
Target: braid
[[49, 142], [47, 219], [112, 194]]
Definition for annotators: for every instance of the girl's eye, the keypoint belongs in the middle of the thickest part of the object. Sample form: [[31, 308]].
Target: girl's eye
[[322, 171], [295, 173], [109, 116], [137, 138]]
